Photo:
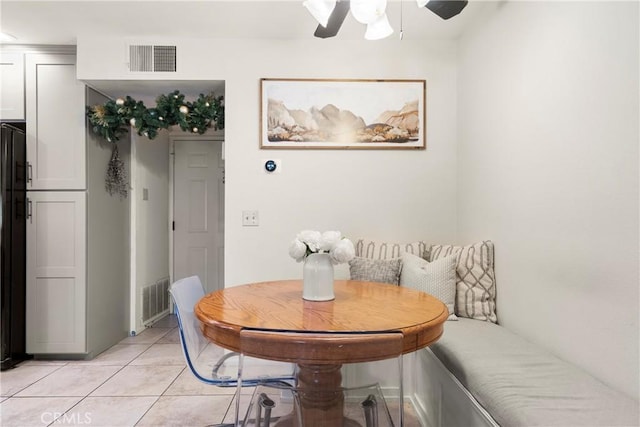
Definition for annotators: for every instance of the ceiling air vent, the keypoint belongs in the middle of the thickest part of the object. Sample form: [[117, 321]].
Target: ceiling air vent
[[148, 58]]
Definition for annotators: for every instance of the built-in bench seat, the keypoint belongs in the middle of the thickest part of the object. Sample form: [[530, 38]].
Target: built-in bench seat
[[480, 373], [516, 382]]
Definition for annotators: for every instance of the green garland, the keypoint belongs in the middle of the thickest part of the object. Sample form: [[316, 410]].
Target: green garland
[[112, 119]]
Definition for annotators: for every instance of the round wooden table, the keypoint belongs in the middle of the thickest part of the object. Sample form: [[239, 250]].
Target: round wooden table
[[365, 322]]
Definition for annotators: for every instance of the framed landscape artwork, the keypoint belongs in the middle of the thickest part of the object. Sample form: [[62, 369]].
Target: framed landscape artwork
[[342, 114]]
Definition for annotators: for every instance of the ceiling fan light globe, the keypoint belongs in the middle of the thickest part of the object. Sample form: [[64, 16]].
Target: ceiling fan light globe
[[379, 29], [368, 11], [320, 9]]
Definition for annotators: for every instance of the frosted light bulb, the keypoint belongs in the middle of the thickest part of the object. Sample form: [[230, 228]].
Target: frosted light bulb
[[368, 11], [379, 29]]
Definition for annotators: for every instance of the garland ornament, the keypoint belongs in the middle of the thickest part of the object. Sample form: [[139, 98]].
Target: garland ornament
[[112, 119], [116, 178]]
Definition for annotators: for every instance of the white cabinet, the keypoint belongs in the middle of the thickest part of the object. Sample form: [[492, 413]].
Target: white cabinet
[[55, 123], [11, 86], [56, 272], [56, 228], [77, 235]]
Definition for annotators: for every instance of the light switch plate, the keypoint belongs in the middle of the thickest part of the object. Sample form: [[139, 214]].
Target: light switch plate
[[250, 219]]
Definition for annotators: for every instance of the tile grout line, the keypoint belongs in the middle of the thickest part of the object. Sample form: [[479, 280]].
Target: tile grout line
[[161, 395], [174, 380], [82, 398], [147, 411], [39, 379], [153, 398]]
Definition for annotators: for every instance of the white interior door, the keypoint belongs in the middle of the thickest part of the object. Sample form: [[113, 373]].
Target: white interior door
[[198, 206]]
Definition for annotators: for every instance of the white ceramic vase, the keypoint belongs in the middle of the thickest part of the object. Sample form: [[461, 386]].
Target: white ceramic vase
[[317, 278]]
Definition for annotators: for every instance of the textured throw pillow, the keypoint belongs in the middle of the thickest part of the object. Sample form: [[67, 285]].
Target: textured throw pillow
[[385, 250], [437, 278], [475, 281], [376, 270]]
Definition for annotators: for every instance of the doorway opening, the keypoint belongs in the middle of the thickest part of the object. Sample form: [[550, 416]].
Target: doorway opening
[[151, 199]]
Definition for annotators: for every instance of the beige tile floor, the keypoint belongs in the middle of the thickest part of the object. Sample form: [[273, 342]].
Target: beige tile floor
[[141, 381]]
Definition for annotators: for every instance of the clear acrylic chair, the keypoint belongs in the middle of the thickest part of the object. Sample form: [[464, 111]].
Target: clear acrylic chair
[[329, 387], [271, 404], [363, 406], [212, 364]]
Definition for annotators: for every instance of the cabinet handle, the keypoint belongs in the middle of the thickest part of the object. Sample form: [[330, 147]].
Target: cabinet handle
[[29, 173], [29, 216]]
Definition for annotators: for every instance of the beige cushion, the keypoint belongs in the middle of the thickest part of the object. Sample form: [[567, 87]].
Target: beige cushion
[[437, 278], [521, 384], [476, 285], [386, 250], [376, 270]]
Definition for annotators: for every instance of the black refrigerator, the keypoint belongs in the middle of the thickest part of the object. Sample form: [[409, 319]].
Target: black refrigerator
[[13, 210]]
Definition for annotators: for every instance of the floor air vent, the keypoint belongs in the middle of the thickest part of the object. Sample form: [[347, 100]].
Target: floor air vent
[[155, 300], [149, 58]]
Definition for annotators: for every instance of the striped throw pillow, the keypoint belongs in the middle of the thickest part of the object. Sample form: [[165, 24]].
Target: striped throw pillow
[[475, 278], [372, 249]]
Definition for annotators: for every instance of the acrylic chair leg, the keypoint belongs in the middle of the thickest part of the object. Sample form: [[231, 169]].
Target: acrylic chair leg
[[239, 390], [266, 404], [401, 391], [370, 407]]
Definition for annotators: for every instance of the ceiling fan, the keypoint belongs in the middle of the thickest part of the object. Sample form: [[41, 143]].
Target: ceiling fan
[[331, 14]]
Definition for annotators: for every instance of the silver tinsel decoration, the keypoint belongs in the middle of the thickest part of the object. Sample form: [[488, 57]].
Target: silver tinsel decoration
[[116, 179]]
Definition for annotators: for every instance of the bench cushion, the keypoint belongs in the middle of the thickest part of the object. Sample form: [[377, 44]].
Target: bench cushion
[[520, 384]]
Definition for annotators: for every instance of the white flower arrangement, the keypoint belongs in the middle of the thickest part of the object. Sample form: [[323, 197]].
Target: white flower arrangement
[[308, 242]]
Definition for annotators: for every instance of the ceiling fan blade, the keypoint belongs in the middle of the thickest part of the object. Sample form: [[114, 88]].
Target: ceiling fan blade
[[335, 21], [446, 9]]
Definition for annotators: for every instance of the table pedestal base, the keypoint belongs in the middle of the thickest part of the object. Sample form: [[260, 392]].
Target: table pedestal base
[[321, 398]]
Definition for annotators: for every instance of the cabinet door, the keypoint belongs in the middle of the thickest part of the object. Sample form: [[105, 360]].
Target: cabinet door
[[11, 86], [55, 123], [56, 272]]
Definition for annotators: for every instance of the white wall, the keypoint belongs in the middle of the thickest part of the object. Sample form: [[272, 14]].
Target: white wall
[[108, 249], [387, 194], [548, 169], [151, 217]]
